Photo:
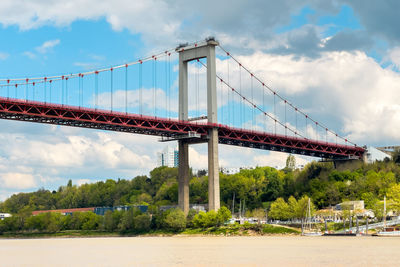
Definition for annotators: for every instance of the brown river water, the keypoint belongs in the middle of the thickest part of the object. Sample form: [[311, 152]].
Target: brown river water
[[202, 251]]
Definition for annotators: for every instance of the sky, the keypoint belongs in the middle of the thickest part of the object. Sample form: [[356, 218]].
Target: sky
[[338, 60]]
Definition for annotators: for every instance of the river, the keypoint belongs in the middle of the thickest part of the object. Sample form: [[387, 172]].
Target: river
[[202, 251]]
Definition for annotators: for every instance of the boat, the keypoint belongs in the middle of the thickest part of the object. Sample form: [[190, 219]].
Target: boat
[[308, 229], [387, 231]]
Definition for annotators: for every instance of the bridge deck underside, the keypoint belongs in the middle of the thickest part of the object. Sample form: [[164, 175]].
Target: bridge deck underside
[[21, 110]]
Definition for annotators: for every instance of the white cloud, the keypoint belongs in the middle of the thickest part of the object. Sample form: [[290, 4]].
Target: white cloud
[[161, 22], [43, 49], [29, 54], [3, 56], [349, 92], [80, 182], [393, 57], [133, 15], [47, 46], [15, 180]]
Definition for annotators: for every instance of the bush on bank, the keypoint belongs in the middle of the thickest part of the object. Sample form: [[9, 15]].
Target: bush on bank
[[130, 221]]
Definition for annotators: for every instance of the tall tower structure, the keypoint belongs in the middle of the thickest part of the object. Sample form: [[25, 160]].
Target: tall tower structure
[[187, 54]]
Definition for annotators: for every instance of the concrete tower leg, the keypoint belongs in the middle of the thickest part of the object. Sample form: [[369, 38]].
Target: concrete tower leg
[[183, 177], [213, 171], [213, 163]]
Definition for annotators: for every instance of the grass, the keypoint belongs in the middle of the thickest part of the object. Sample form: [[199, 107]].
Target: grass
[[69, 233], [270, 229]]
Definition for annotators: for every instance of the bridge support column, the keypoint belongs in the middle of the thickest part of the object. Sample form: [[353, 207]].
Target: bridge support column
[[183, 176], [213, 171]]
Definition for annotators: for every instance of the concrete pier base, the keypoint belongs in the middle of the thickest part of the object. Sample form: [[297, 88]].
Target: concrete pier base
[[183, 176]]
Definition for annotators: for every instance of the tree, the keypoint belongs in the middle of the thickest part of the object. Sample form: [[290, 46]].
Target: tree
[[108, 222], [142, 223], [302, 205], [396, 156], [205, 219], [190, 217], [126, 223], [259, 214], [279, 210], [293, 207], [201, 173], [90, 221], [175, 220], [223, 215], [393, 196]]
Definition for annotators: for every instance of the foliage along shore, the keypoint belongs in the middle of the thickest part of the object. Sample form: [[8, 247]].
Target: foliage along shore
[[231, 230], [283, 193]]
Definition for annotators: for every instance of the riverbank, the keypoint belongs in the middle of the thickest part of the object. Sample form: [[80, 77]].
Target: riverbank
[[229, 230]]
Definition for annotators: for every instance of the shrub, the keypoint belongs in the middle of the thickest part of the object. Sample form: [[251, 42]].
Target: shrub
[[175, 220], [223, 215], [142, 223], [90, 221], [204, 220], [190, 217], [126, 223]]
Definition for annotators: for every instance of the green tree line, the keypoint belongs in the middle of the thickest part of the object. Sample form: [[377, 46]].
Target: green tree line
[[255, 188], [130, 221]]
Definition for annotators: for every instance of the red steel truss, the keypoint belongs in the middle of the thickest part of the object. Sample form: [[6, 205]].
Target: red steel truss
[[13, 109]]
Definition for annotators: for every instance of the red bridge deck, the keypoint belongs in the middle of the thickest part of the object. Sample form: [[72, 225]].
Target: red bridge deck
[[13, 109]]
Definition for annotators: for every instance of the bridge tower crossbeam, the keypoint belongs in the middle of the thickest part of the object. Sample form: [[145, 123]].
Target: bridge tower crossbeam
[[187, 54]]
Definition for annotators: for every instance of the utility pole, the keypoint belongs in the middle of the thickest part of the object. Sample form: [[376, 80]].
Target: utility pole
[[240, 208], [384, 212], [244, 209], [358, 230], [233, 204]]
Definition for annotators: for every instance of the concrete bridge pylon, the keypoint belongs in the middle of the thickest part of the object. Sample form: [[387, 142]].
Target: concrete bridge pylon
[[187, 54]]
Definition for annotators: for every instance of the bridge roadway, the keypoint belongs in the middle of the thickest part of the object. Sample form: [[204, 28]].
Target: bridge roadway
[[40, 112]]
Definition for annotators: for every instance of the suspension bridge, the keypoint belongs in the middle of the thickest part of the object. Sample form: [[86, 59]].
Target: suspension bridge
[[176, 94]]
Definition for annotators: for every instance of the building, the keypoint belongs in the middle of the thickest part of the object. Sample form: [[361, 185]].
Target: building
[[229, 170], [351, 205], [4, 215], [373, 154], [168, 157]]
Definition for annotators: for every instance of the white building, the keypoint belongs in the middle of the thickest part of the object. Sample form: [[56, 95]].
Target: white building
[[4, 215], [168, 157], [373, 154]]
